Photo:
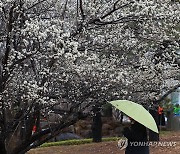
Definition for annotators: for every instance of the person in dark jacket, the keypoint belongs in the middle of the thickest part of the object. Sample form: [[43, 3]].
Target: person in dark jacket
[[137, 139]]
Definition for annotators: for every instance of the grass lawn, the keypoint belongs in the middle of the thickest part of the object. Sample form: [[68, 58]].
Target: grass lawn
[[109, 146]]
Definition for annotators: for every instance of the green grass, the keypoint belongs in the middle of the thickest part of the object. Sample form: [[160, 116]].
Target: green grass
[[165, 132], [86, 141], [77, 142]]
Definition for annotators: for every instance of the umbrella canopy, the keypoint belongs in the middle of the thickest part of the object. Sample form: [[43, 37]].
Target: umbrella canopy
[[137, 112]]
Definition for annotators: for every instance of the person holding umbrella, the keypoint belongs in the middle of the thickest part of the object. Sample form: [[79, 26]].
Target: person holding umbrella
[[140, 120], [136, 134]]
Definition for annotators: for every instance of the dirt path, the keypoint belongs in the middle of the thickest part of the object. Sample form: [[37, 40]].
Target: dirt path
[[111, 147]]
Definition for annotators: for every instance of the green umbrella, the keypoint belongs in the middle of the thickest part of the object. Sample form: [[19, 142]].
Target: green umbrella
[[137, 112]]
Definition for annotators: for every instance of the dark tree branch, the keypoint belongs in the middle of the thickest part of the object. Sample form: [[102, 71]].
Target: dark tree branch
[[8, 38], [81, 9], [56, 129], [167, 93], [34, 5], [98, 21], [64, 9], [19, 61]]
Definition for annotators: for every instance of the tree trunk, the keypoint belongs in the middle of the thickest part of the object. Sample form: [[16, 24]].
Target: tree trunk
[[97, 126], [169, 119]]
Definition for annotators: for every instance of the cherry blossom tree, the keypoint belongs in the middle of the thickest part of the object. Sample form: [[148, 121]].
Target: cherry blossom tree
[[62, 57]]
